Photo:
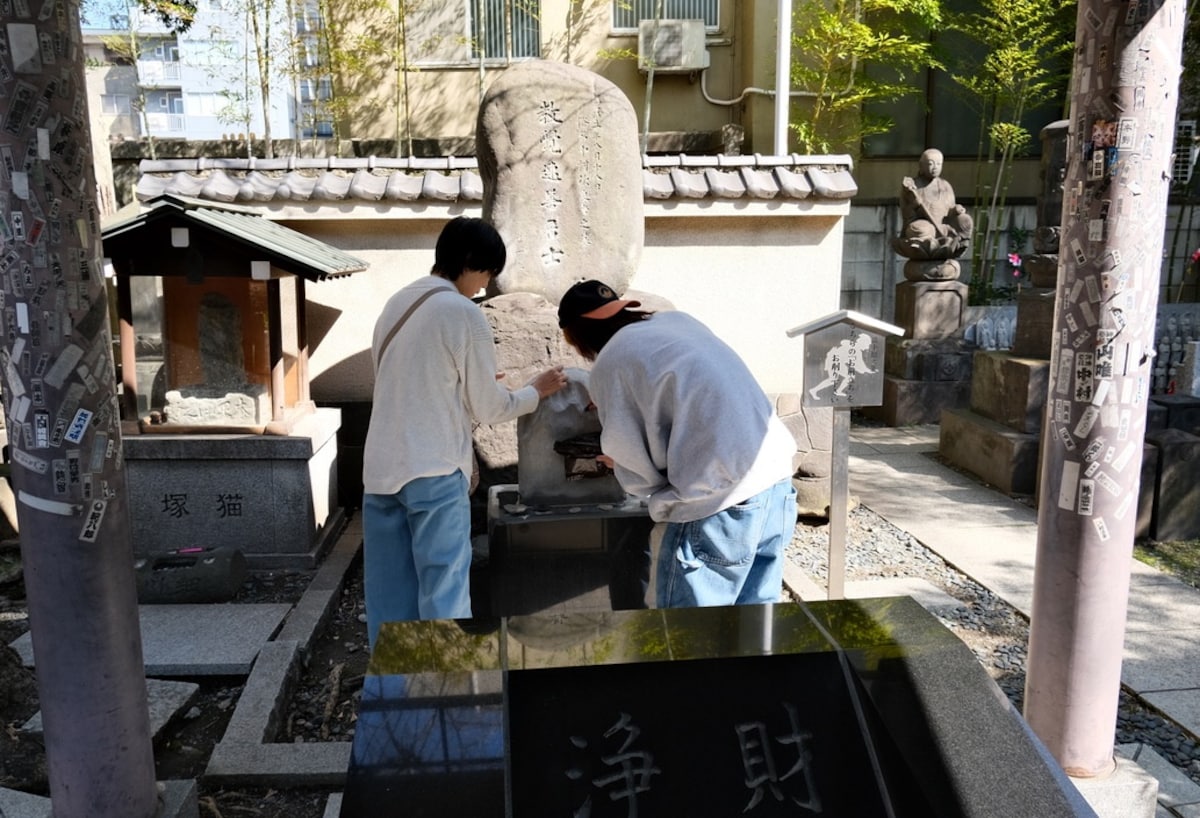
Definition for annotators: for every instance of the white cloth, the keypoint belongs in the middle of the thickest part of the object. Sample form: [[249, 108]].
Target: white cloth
[[684, 419], [436, 376]]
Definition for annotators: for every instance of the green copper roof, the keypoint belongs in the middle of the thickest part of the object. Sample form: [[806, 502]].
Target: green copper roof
[[283, 247]]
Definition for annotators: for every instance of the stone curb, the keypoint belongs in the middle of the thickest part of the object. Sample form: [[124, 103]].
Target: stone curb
[[246, 753], [177, 799]]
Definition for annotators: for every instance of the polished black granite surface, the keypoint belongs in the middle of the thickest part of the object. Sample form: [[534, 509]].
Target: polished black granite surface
[[852, 708]]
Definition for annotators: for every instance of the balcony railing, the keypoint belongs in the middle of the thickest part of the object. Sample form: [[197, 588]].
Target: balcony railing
[[166, 124], [153, 72]]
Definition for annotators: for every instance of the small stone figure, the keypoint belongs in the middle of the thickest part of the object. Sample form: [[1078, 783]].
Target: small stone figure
[[936, 229], [985, 335]]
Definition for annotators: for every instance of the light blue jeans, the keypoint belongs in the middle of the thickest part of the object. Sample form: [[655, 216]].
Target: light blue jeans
[[417, 552], [733, 557]]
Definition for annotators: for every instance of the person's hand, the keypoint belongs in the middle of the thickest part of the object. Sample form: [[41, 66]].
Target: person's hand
[[606, 460], [550, 382]]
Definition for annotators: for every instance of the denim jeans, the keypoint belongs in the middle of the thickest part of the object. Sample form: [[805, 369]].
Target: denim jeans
[[733, 557], [417, 552]]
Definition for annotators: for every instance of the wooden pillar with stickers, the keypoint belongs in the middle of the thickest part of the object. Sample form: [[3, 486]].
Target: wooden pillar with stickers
[[1119, 156], [60, 398]]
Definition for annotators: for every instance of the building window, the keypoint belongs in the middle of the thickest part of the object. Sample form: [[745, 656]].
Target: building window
[[626, 14], [446, 34], [1185, 151], [492, 23], [313, 89], [321, 128], [940, 118], [114, 104], [206, 104]]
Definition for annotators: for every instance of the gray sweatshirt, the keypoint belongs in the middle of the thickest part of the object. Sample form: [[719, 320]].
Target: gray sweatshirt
[[684, 419]]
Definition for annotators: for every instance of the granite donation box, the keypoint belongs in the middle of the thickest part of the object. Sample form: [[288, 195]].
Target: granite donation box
[[847, 708]]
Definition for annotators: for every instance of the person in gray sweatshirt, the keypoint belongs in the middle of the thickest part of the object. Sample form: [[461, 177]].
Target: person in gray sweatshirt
[[686, 426]]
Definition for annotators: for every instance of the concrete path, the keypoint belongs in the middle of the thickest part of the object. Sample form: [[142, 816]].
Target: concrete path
[[993, 539]]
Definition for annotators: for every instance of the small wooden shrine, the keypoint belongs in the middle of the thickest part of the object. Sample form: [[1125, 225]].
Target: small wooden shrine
[[222, 441]]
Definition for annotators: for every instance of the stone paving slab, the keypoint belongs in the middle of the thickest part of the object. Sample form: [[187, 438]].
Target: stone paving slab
[[1159, 602], [927, 595], [1161, 660], [1000, 559], [166, 698], [1174, 788], [197, 640], [1180, 706]]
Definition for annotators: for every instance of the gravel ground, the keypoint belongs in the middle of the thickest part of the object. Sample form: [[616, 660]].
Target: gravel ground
[[995, 631]]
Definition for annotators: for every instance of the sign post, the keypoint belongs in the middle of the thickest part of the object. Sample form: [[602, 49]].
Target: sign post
[[843, 369]]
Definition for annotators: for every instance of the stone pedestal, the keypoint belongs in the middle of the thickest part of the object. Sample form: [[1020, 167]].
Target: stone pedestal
[[272, 496], [922, 378], [1176, 485], [1035, 323], [930, 310], [997, 438], [928, 370], [1181, 412]]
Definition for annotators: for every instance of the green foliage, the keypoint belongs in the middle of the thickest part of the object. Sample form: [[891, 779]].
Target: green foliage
[[834, 42], [176, 15], [1179, 558], [1008, 57]]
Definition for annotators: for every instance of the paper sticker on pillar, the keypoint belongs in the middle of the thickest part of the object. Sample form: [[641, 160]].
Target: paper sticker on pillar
[[79, 425], [843, 359], [93, 518]]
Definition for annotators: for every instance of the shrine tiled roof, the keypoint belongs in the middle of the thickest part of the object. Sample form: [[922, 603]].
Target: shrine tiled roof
[[283, 247], [449, 179]]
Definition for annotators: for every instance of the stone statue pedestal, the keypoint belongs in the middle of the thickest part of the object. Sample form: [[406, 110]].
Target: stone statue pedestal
[[998, 437], [274, 497], [929, 369], [931, 310], [1035, 323], [933, 269]]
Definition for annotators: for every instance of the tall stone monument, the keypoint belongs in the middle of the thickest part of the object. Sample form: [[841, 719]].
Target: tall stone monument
[[562, 178]]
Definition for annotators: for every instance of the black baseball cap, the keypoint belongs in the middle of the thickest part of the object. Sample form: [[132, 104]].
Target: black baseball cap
[[591, 299]]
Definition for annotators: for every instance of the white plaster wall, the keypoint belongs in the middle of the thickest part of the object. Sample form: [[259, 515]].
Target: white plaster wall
[[750, 275], [750, 279]]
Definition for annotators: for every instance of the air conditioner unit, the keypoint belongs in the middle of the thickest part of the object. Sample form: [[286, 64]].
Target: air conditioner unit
[[672, 46]]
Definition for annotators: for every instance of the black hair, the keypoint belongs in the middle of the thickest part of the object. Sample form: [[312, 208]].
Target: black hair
[[468, 244], [589, 335]]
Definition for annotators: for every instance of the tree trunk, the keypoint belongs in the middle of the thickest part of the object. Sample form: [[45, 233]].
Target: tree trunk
[[60, 397], [1126, 80]]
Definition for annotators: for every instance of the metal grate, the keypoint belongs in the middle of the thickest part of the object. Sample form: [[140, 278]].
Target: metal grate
[[491, 22], [626, 14], [1185, 151]]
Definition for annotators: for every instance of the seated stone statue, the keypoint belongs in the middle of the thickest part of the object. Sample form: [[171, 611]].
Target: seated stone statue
[[935, 226]]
